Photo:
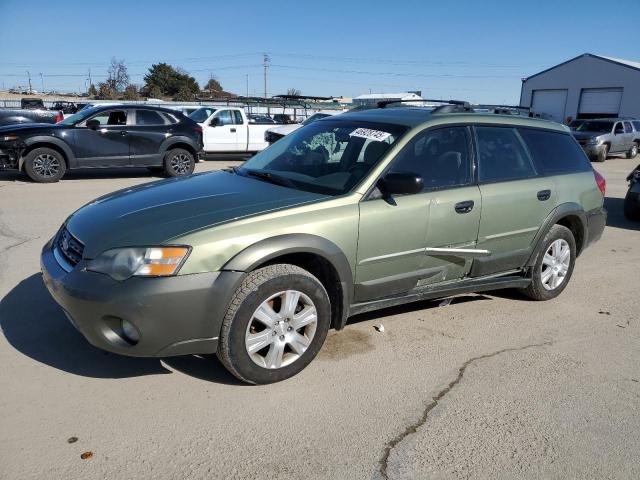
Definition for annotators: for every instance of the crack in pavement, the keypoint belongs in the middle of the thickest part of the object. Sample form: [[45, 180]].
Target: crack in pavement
[[413, 428]]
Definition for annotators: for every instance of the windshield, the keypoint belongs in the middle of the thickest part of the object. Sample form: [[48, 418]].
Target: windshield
[[600, 127], [79, 117], [314, 117], [201, 114], [329, 157]]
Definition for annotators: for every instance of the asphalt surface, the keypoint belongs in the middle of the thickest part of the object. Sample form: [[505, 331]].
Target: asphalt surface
[[488, 386]]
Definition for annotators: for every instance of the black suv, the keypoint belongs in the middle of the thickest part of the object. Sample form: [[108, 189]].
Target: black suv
[[103, 136]]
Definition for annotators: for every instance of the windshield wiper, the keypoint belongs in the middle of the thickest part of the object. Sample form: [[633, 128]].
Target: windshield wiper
[[269, 177]]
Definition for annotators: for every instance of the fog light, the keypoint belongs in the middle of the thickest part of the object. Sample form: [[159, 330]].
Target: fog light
[[129, 332]]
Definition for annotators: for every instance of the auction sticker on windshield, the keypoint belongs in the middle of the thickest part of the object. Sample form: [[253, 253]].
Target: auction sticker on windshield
[[377, 135]]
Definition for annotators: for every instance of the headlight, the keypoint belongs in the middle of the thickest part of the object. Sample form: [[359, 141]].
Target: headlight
[[593, 141], [122, 263]]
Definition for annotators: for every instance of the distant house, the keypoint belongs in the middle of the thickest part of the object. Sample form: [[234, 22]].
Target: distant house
[[587, 86], [373, 98]]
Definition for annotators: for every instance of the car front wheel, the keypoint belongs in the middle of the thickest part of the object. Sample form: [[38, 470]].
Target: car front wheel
[[602, 154], [44, 165], [275, 325], [554, 265]]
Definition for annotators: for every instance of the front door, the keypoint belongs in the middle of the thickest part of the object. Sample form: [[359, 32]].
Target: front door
[[107, 145], [515, 200], [221, 134], [412, 241]]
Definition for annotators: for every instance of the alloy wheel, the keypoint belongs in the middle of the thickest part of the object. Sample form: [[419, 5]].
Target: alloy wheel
[[281, 329], [555, 264], [180, 163], [46, 165]]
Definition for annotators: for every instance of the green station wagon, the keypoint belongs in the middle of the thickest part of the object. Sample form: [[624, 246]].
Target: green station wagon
[[352, 213]]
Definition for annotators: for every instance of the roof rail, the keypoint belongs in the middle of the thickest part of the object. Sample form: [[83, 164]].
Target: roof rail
[[384, 103]]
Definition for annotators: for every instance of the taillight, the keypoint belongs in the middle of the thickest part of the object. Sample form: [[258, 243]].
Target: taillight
[[59, 117], [198, 129], [602, 183]]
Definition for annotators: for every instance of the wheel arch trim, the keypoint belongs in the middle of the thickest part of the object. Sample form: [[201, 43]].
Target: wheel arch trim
[[43, 141], [281, 245]]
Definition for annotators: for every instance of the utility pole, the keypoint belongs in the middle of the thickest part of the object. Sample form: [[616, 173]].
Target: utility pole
[[42, 81], [266, 70], [29, 75], [247, 75], [90, 79]]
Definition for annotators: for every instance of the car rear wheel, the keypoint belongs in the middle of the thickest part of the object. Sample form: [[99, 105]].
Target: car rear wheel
[[275, 325], [44, 165], [602, 154], [633, 151], [179, 162], [554, 265]]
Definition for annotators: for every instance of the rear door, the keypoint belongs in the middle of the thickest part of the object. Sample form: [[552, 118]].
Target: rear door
[[628, 135], [619, 141], [107, 145], [150, 128], [515, 199], [411, 241], [220, 133]]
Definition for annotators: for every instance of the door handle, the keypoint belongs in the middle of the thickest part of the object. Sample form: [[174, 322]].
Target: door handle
[[233, 130], [464, 207], [544, 195], [124, 133]]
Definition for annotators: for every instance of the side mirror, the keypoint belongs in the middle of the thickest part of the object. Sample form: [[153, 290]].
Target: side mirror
[[215, 122], [93, 124], [400, 183]]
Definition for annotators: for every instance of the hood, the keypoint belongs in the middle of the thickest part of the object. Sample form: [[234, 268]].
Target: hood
[[285, 129], [586, 135], [28, 127], [154, 213]]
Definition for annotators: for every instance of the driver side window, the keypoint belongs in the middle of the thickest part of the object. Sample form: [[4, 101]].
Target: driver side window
[[225, 118], [111, 117], [441, 157]]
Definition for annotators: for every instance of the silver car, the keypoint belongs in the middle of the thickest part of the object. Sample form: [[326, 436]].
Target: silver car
[[600, 137]]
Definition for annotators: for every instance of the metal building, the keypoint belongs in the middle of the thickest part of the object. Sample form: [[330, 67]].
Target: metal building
[[587, 86]]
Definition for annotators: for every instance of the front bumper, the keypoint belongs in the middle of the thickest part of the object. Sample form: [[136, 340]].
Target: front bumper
[[592, 151], [173, 315]]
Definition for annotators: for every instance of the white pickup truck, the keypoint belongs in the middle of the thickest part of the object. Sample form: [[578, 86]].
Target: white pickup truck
[[227, 129]]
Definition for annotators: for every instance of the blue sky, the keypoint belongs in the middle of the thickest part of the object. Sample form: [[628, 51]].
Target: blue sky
[[475, 50]]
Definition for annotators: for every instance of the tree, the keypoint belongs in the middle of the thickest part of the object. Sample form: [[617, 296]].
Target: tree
[[185, 94], [155, 92], [117, 75], [106, 91], [131, 92], [293, 92], [92, 91], [214, 87], [169, 81]]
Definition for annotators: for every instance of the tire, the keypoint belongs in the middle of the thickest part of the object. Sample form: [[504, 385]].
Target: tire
[[633, 151], [44, 165], [178, 162], [631, 207], [261, 300], [602, 154], [543, 284]]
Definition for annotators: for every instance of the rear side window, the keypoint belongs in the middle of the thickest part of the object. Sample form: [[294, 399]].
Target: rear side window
[[501, 155], [627, 127], [237, 117], [148, 117], [554, 152], [636, 125]]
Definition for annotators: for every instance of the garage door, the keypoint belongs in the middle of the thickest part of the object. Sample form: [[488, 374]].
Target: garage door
[[549, 104], [600, 101]]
